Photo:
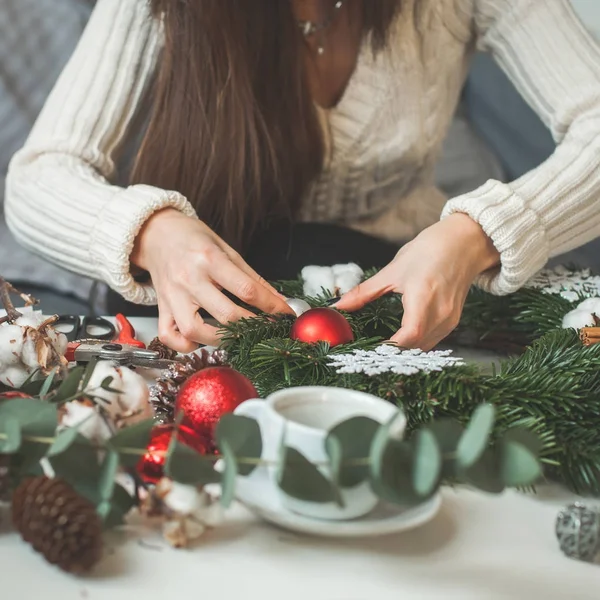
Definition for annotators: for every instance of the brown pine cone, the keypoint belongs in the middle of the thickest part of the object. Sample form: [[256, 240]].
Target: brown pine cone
[[58, 523], [4, 478], [164, 352], [164, 392]]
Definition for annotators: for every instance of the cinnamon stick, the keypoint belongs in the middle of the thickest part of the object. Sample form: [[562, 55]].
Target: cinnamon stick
[[590, 335]]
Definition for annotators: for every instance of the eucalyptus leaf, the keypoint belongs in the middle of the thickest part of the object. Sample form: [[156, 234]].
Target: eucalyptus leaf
[[79, 465], [63, 441], [392, 474], [485, 473], [519, 466], [38, 421], [135, 437], [300, 479], [334, 450], [427, 465], [32, 379], [11, 430], [475, 439], [108, 472], [243, 437], [70, 386], [185, 465], [383, 447], [354, 437], [104, 509], [113, 512], [89, 371], [47, 386], [37, 417], [229, 473], [33, 384], [106, 385], [447, 432], [526, 438]]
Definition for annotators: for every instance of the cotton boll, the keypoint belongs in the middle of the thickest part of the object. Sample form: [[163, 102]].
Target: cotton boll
[[137, 398], [11, 345], [561, 270], [577, 319], [29, 345], [14, 376], [87, 420], [102, 371], [58, 340], [592, 305], [13, 371], [213, 515], [130, 401], [317, 279], [184, 499], [347, 277], [32, 319], [179, 533]]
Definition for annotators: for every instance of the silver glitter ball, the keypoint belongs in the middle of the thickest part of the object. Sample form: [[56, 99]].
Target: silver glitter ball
[[298, 306], [578, 531]]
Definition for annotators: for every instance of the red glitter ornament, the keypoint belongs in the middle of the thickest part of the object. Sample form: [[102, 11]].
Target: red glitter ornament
[[150, 467], [13, 395], [209, 394], [322, 325]]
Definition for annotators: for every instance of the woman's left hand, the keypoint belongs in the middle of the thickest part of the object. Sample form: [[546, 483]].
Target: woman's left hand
[[433, 273]]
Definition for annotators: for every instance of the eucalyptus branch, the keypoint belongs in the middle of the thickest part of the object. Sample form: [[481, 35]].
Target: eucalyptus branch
[[364, 461]]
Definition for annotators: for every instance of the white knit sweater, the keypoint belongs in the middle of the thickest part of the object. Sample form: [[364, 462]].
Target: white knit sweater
[[384, 137]]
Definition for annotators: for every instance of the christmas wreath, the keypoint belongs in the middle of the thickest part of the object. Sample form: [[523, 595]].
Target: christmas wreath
[[81, 446], [549, 384]]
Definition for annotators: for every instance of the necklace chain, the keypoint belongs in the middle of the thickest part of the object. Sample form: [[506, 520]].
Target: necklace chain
[[310, 28]]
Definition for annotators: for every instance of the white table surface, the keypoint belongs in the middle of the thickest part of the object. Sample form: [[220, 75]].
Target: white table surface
[[478, 547]]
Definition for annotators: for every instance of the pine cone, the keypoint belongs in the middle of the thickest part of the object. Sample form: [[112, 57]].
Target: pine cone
[[164, 392], [58, 522], [4, 478], [164, 352]]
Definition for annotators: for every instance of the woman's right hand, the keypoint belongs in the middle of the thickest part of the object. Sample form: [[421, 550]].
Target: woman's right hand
[[190, 266]]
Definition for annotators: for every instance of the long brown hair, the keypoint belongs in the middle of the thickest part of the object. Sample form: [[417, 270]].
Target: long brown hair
[[234, 127]]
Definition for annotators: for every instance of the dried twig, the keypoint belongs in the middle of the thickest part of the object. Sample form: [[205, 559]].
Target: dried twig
[[12, 314]]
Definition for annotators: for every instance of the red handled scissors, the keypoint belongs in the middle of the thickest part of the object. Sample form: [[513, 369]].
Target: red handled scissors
[[96, 331]]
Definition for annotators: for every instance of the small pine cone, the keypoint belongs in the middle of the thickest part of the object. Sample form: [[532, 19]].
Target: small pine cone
[[4, 478], [164, 393], [164, 352], [58, 523], [162, 398]]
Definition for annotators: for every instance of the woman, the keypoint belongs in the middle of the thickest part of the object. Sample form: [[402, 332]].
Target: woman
[[313, 110]]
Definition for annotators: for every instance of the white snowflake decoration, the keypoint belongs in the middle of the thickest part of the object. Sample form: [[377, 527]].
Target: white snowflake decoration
[[571, 285], [390, 359]]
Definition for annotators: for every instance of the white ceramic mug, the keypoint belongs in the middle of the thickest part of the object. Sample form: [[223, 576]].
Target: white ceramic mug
[[305, 415]]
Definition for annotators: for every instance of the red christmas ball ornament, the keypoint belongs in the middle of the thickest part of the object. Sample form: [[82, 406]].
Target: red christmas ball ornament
[[151, 466], [209, 394], [322, 325], [13, 395]]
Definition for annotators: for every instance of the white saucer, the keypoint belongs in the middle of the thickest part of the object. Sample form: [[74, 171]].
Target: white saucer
[[259, 495]]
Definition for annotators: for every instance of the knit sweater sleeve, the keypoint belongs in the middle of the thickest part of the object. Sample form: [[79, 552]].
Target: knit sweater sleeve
[[555, 64], [59, 199]]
